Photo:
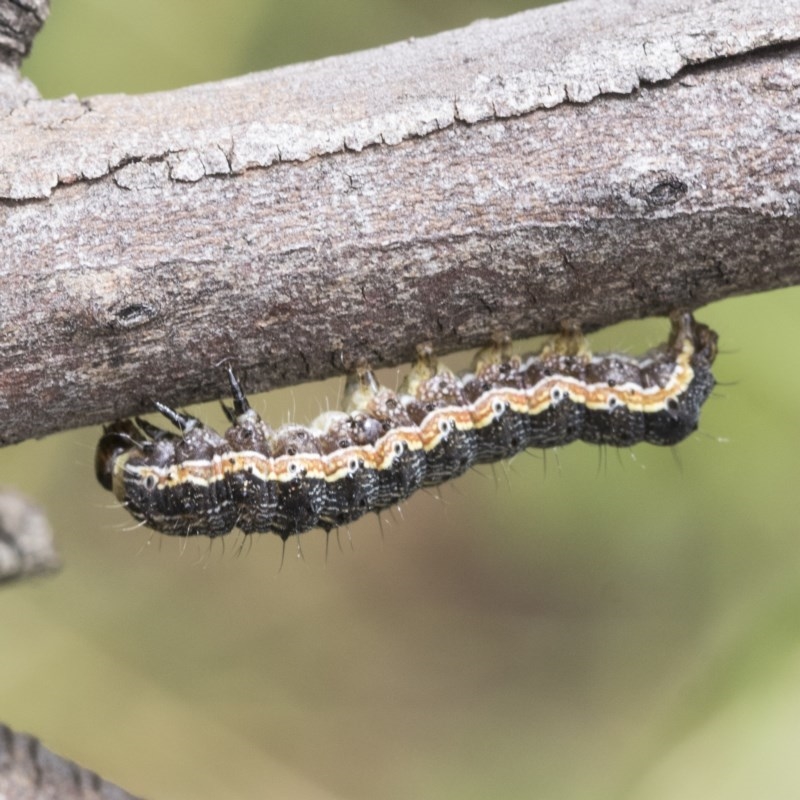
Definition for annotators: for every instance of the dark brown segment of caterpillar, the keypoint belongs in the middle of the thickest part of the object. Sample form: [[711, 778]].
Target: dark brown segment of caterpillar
[[357, 492], [430, 386], [254, 495], [561, 421], [208, 497], [506, 435], [619, 425], [560, 424], [403, 460], [682, 415], [301, 499]]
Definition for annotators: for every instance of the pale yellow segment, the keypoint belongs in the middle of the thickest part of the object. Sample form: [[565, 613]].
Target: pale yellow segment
[[338, 464], [430, 429], [384, 447]]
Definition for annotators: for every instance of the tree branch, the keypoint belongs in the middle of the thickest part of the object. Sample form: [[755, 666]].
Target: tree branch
[[20, 21], [29, 771], [591, 160]]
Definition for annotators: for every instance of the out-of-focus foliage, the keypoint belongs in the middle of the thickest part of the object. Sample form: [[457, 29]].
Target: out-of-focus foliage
[[593, 624]]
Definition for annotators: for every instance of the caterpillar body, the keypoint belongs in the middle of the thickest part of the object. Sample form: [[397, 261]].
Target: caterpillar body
[[386, 445]]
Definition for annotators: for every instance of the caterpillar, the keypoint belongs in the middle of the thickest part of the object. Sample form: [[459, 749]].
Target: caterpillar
[[386, 445]]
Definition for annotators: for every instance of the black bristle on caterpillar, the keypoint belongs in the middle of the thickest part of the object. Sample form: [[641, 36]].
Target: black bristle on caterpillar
[[386, 445]]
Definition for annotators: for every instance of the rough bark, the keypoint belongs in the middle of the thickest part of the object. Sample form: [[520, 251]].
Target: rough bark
[[20, 21], [590, 160], [29, 771]]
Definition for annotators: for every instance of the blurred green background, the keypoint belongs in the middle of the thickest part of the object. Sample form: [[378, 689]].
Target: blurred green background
[[590, 625]]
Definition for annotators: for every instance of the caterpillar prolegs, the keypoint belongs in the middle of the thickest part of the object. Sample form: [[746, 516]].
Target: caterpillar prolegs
[[386, 445]]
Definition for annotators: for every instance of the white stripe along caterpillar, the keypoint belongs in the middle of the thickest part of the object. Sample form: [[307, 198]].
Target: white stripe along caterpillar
[[386, 445]]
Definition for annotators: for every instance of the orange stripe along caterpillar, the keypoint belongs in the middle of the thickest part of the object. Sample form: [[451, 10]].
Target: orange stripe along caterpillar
[[387, 445]]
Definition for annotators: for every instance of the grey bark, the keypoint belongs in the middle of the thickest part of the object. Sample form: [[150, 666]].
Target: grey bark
[[20, 21], [29, 771], [591, 160]]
